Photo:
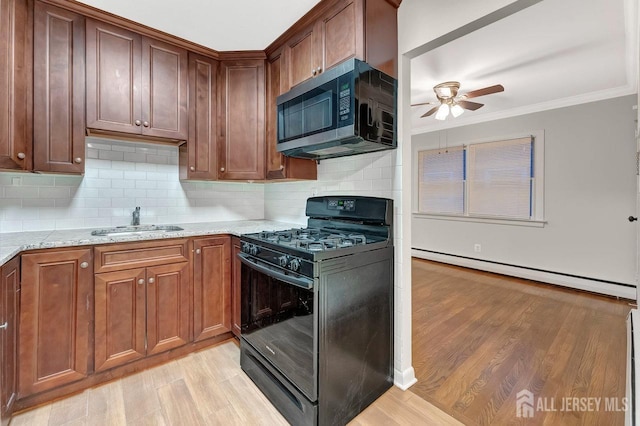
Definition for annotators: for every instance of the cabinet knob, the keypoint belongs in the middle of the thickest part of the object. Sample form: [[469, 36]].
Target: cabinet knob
[[78, 160], [222, 169], [281, 167], [21, 155], [198, 251], [84, 265], [152, 280], [313, 71], [141, 281], [319, 70], [145, 124], [192, 168], [137, 122]]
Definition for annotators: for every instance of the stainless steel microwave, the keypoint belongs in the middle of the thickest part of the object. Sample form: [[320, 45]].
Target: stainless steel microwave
[[350, 109]]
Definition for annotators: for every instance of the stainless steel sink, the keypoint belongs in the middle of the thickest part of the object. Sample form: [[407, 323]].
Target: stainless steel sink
[[134, 230]]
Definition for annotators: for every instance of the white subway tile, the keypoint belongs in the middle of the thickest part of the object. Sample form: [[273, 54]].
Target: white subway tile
[[38, 225], [111, 174], [123, 148], [97, 183], [101, 146], [98, 164], [146, 184], [122, 183], [57, 192], [91, 153], [123, 165], [135, 175], [21, 192], [146, 167]]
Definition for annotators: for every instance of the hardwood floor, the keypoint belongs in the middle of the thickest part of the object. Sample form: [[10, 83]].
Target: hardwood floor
[[480, 338]]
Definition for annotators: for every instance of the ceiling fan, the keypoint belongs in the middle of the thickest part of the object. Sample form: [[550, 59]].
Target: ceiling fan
[[450, 102]]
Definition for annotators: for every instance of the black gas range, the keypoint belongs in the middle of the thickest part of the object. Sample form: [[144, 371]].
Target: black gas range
[[317, 310]]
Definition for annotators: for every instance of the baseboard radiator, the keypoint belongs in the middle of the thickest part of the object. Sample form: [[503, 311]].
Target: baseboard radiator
[[610, 288]]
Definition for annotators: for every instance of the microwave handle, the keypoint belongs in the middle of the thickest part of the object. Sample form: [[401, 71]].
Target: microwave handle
[[305, 283]]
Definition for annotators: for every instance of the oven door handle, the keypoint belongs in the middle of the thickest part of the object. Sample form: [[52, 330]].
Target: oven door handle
[[303, 282]]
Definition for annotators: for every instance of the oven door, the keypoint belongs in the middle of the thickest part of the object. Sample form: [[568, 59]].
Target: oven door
[[278, 319]]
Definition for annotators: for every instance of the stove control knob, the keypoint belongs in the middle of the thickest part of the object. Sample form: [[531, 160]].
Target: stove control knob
[[253, 249], [245, 247], [283, 260], [294, 265]]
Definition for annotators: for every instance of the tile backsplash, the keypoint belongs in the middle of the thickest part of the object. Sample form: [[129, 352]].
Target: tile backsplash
[[118, 177]]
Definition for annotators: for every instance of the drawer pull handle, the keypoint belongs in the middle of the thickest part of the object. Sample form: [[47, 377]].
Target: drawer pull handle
[[84, 265], [4, 326]]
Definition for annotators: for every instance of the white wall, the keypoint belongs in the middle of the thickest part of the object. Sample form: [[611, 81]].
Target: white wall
[[118, 177], [590, 187]]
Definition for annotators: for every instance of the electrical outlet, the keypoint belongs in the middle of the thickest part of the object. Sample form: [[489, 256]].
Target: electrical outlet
[[477, 248], [16, 181]]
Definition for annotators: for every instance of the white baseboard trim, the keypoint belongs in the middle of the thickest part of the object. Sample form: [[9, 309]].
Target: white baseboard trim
[[404, 379], [521, 272]]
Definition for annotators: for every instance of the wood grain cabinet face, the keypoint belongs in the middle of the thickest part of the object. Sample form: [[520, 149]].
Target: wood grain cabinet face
[[143, 302], [15, 85], [55, 319], [135, 84], [9, 310], [198, 157], [59, 90], [211, 287], [242, 142]]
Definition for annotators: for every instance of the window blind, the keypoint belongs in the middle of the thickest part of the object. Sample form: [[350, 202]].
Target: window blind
[[441, 181], [500, 178]]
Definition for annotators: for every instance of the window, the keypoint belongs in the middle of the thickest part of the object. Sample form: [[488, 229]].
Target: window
[[495, 179]]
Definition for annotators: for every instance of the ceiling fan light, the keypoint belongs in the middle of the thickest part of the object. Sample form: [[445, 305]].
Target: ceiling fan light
[[456, 110], [443, 112]]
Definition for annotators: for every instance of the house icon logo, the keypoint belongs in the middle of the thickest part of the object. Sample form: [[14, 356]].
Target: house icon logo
[[524, 404]]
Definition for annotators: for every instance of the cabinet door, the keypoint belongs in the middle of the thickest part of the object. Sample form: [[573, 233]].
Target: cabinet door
[[198, 157], [8, 338], [236, 283], [119, 317], [59, 90], [168, 311], [279, 166], [15, 81], [164, 90], [212, 287], [342, 33], [303, 57], [113, 78], [242, 150], [55, 318]]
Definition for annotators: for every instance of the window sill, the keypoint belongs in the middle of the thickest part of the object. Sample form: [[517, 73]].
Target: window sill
[[480, 219]]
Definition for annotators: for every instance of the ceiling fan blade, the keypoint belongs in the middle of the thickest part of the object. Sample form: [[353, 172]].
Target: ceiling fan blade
[[430, 112], [485, 91], [423, 103], [470, 105]]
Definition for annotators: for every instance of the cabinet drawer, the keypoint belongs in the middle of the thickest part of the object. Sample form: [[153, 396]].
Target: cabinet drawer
[[135, 255]]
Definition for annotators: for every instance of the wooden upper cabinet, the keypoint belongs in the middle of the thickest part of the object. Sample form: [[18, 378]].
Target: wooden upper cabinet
[[10, 285], [56, 307], [135, 84], [15, 85], [198, 157], [59, 90], [211, 287], [279, 166], [303, 53], [242, 120], [339, 30]]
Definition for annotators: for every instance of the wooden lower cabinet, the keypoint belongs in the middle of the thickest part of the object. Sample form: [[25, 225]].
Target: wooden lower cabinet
[[55, 319], [140, 305], [10, 286], [211, 287], [236, 286]]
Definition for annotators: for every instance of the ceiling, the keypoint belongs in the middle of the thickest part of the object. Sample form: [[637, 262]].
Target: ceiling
[[217, 24], [555, 53]]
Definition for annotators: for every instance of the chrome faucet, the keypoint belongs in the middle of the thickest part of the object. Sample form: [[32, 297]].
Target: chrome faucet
[[136, 217]]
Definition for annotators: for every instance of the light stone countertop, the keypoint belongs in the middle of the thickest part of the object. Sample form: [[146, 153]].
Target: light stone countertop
[[16, 242]]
